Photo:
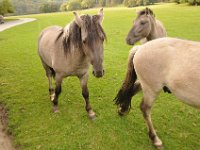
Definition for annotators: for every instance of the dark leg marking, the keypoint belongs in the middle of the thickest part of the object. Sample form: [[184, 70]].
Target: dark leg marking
[[57, 93], [85, 93]]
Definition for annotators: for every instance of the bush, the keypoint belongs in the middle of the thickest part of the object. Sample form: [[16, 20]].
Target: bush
[[132, 3], [63, 7], [73, 5], [49, 7], [191, 2], [102, 2], [6, 7], [194, 2], [87, 4], [145, 2]]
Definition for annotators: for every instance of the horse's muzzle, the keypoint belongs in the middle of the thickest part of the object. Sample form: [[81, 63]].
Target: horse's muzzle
[[98, 74], [129, 41]]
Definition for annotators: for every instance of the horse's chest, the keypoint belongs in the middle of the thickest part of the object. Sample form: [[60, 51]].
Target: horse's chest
[[76, 68]]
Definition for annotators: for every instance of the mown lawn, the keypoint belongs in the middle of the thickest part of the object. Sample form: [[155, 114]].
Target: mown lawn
[[24, 90], [9, 19]]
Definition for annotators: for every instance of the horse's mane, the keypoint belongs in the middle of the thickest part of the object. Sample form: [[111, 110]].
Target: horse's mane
[[146, 11], [93, 28]]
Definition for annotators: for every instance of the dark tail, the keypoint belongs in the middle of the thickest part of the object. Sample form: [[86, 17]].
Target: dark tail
[[129, 87]]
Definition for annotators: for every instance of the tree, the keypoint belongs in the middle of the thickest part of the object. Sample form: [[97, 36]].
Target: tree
[[5, 7], [194, 2], [102, 2], [132, 3], [73, 5], [63, 7], [50, 7]]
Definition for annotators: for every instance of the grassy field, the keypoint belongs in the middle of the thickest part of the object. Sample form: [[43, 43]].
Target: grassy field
[[24, 90], [8, 20]]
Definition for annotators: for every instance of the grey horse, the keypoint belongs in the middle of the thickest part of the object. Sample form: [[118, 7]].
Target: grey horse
[[69, 51], [145, 28]]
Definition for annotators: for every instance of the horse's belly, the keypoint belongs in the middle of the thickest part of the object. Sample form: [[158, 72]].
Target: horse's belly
[[187, 91], [192, 99]]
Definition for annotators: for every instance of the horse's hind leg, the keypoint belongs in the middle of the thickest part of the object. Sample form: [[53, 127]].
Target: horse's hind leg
[[49, 73], [85, 93], [145, 106], [51, 89]]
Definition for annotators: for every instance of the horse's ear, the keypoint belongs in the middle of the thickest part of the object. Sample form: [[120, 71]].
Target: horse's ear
[[151, 12], [148, 11], [100, 13], [77, 19]]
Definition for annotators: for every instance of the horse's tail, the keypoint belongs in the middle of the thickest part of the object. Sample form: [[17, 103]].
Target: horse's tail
[[129, 87]]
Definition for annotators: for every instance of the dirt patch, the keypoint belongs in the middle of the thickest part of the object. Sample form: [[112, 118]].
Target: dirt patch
[[5, 139]]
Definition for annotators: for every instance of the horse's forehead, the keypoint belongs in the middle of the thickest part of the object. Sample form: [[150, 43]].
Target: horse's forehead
[[87, 20], [142, 18]]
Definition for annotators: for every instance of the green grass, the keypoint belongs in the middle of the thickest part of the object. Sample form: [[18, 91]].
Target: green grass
[[9, 19], [24, 90]]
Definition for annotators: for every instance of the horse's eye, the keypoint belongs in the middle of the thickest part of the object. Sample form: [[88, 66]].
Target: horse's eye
[[142, 23]]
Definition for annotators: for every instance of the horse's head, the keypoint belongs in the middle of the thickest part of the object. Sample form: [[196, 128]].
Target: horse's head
[[141, 26], [92, 36]]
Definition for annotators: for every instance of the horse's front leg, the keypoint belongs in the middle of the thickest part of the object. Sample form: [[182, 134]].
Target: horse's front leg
[[58, 88], [85, 93]]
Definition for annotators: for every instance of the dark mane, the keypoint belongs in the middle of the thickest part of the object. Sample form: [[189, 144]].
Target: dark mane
[[146, 11], [100, 30], [74, 36], [94, 29]]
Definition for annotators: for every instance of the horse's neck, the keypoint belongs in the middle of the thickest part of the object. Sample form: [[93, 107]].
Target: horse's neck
[[153, 33], [157, 30]]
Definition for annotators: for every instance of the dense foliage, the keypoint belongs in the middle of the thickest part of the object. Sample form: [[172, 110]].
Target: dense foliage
[[50, 7], [191, 2], [36, 6], [5, 7], [46, 6]]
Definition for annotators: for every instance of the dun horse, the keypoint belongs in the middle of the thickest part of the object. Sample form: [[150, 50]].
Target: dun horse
[[145, 28], [169, 62], [69, 51]]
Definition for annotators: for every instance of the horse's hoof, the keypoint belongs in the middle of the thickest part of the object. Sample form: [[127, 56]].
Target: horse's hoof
[[55, 109], [161, 147], [158, 144], [92, 115], [122, 113]]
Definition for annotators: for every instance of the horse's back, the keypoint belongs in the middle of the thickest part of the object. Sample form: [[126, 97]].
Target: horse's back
[[49, 34], [173, 63]]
